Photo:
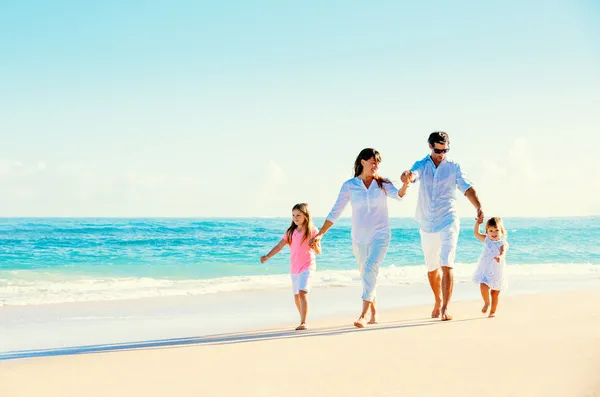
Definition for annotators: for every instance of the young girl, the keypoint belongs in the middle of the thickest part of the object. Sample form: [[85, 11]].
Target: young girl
[[302, 257], [490, 272]]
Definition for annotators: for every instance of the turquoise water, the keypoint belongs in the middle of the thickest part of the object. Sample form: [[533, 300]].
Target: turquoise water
[[52, 260]]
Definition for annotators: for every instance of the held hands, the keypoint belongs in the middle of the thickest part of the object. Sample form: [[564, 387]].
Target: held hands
[[408, 177], [312, 243], [497, 258], [263, 259], [480, 215]]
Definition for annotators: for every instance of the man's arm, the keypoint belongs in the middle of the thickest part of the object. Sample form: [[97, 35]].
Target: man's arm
[[464, 185], [413, 174], [474, 199]]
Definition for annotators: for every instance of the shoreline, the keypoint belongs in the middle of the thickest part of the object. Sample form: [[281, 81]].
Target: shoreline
[[31, 288], [79, 324]]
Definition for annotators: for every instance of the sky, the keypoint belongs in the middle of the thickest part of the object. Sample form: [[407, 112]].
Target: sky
[[244, 108]]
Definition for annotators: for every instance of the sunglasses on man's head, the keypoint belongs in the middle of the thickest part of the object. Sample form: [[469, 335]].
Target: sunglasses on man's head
[[439, 151]]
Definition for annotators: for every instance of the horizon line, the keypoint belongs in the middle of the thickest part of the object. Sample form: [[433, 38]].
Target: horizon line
[[263, 217]]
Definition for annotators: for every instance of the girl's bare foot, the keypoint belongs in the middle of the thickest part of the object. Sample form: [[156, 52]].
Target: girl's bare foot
[[360, 323], [485, 308], [301, 327], [373, 320], [492, 315]]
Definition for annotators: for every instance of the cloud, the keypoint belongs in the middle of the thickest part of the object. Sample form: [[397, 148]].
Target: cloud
[[519, 183], [81, 189], [494, 170], [270, 195], [510, 182], [4, 168], [18, 168], [146, 180]]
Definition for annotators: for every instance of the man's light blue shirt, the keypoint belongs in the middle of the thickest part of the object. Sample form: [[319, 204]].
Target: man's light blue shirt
[[436, 207]]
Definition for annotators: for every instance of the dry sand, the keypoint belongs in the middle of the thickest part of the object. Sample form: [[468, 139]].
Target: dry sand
[[539, 345]]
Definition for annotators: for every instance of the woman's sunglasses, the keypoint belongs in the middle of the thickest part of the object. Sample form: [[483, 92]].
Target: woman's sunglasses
[[439, 151]]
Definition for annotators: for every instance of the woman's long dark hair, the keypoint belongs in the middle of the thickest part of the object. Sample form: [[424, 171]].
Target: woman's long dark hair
[[308, 226], [367, 154]]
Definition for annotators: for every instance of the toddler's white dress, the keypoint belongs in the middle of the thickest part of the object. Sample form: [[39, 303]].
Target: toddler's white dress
[[488, 271]]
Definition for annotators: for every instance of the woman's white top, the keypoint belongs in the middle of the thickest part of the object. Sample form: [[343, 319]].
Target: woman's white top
[[370, 219]]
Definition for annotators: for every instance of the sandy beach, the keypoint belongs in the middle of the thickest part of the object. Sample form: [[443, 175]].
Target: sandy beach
[[539, 345]]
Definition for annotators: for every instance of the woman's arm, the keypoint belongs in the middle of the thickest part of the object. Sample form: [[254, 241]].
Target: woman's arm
[[340, 204], [392, 192], [402, 191], [317, 239]]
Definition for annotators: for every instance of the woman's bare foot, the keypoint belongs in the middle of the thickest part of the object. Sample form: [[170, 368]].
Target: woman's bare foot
[[436, 310], [360, 323], [485, 307], [492, 315], [301, 327]]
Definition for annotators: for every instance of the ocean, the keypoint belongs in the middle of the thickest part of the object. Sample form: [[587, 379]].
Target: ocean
[[47, 260]]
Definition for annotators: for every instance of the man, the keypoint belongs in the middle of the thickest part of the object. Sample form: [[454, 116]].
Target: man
[[436, 213]]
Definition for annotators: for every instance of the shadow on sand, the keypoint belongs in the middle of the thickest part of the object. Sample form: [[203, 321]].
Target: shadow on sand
[[221, 339]]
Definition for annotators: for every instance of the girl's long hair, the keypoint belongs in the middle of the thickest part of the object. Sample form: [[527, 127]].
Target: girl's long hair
[[496, 222], [367, 154], [308, 225]]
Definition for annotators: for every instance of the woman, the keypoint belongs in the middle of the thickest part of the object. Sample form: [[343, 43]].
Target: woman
[[368, 193]]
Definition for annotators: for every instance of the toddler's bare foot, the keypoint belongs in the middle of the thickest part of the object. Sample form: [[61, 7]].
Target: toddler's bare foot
[[485, 308], [492, 315]]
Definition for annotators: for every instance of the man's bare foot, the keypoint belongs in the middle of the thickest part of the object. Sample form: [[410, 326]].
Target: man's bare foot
[[485, 308], [445, 315], [360, 323], [492, 315], [301, 327], [436, 310]]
